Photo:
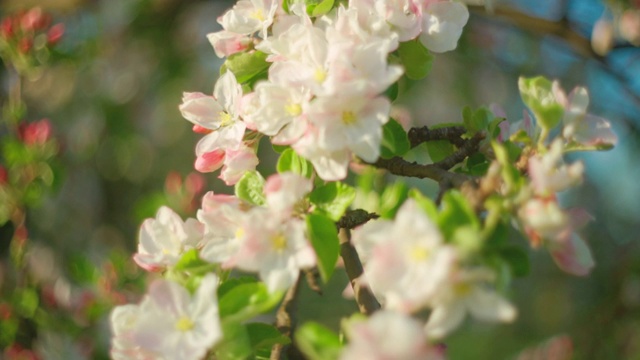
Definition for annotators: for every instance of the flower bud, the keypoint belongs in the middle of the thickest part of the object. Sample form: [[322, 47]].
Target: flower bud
[[35, 133], [602, 37], [55, 34]]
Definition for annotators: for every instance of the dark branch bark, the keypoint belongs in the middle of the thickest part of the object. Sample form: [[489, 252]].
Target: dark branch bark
[[469, 147], [367, 302], [423, 134], [355, 218], [401, 167], [285, 320]]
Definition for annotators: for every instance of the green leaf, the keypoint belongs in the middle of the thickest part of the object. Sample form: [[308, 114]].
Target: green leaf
[[392, 198], [517, 259], [246, 301], [279, 148], [317, 342], [25, 302], [439, 150], [250, 188], [191, 261], [332, 199], [477, 164], [264, 336], [425, 203], [394, 140], [290, 161], [246, 65], [477, 121], [415, 57], [236, 344], [324, 239], [228, 285], [456, 212], [537, 94], [322, 8]]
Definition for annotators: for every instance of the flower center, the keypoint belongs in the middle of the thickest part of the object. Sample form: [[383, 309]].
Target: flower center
[[225, 119], [320, 75], [184, 324], [239, 233], [293, 109], [348, 117], [258, 15], [419, 253], [279, 242]]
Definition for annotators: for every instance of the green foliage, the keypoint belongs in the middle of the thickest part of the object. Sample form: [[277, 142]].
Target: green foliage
[[246, 300], [394, 140], [290, 161], [324, 239], [537, 94], [246, 65], [317, 8], [244, 341], [392, 198], [456, 214], [332, 199], [415, 57], [192, 263], [480, 120], [317, 342], [425, 203], [250, 188]]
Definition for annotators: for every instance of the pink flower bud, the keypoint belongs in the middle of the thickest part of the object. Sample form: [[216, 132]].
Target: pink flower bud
[[173, 183], [630, 26], [55, 34], [602, 37], [31, 20], [35, 133], [25, 45], [194, 183], [6, 28], [4, 175], [201, 130]]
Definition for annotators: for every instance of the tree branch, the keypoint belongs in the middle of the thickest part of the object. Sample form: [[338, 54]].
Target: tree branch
[[367, 302], [418, 135], [355, 218], [469, 147], [285, 320]]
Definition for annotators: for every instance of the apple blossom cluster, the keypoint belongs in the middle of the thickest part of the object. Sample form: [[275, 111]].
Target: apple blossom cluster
[[315, 77], [325, 75]]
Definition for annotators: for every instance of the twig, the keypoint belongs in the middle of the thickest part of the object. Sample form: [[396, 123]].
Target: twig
[[418, 135], [285, 319], [355, 218], [399, 166], [469, 147], [367, 302]]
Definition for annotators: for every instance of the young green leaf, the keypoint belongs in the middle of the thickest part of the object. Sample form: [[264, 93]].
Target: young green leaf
[[415, 57], [394, 140], [538, 95], [246, 301], [456, 212], [317, 342], [322, 8], [250, 188], [392, 198], [191, 261], [324, 239], [290, 161], [332, 199], [263, 336], [246, 65]]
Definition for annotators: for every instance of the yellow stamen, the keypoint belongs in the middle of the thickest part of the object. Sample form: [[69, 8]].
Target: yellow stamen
[[184, 324], [293, 109], [320, 75], [225, 118], [348, 117], [279, 242], [239, 233], [258, 15], [419, 253]]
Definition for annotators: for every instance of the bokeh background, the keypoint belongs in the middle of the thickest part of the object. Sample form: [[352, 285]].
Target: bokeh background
[[113, 95]]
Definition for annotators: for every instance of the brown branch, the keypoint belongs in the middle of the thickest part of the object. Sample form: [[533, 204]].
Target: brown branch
[[367, 302], [401, 167], [285, 320], [469, 147], [418, 135], [355, 218]]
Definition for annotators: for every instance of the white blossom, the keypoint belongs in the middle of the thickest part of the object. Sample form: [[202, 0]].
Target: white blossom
[[163, 240]]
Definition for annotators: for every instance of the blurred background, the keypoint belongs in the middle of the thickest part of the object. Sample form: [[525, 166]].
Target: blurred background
[[112, 97]]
